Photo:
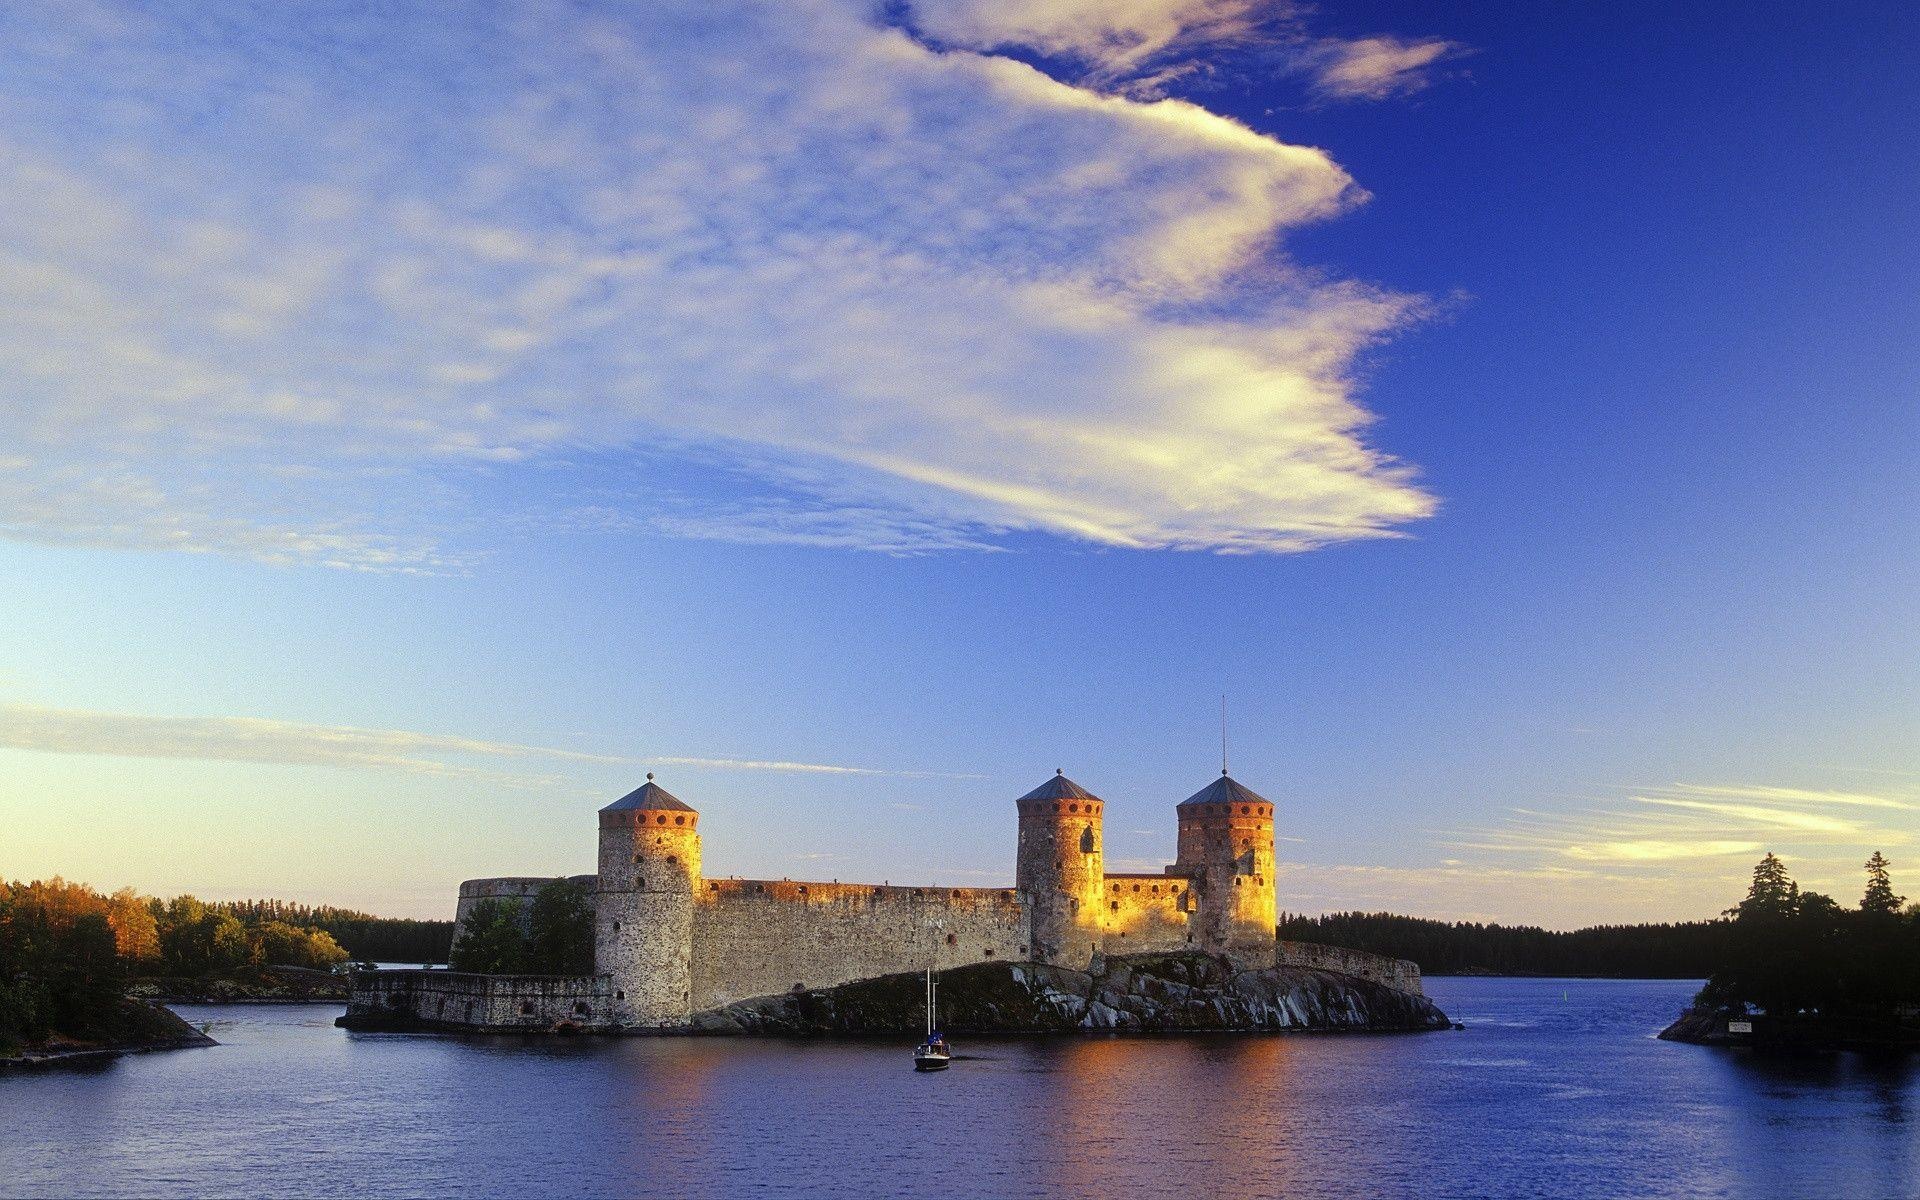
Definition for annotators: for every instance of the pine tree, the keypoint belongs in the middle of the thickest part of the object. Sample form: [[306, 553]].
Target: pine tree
[[1773, 894], [1880, 897]]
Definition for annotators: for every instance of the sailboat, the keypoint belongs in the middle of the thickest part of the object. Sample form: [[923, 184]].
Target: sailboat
[[934, 1053]]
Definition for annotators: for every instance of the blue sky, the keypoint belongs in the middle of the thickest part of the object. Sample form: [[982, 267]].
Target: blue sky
[[415, 431]]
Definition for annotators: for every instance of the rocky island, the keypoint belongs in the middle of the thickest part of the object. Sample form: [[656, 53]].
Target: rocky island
[[1802, 973], [1148, 993], [651, 943]]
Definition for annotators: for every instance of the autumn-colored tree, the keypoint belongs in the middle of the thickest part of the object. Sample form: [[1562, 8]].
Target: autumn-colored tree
[[281, 944], [135, 931]]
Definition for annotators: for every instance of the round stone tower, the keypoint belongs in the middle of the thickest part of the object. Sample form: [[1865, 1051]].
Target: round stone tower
[[1226, 849], [643, 930], [1060, 872]]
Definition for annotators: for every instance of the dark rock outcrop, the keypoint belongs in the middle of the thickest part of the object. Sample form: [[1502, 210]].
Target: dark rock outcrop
[[146, 1027], [1868, 1032], [1150, 993]]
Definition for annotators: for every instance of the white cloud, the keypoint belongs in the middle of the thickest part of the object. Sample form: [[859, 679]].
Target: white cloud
[[1116, 38], [1373, 68], [385, 248], [259, 740]]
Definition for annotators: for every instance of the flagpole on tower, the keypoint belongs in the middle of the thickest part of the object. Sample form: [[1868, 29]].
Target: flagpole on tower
[[1223, 733]]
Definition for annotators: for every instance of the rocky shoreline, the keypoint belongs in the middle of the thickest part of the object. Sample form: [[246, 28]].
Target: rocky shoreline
[[1866, 1033], [266, 985], [1144, 994], [155, 1027]]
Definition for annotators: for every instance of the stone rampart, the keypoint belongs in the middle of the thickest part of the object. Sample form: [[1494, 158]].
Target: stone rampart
[[1396, 973], [455, 1000], [759, 937]]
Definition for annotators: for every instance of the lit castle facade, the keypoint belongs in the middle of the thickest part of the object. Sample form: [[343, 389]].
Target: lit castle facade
[[671, 942]]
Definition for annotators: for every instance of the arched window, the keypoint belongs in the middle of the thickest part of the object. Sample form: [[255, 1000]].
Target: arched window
[[1086, 840]]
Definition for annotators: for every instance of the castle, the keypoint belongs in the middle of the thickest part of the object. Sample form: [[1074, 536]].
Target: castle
[[670, 942]]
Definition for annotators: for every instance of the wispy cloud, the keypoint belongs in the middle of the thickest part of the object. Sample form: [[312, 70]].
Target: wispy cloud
[[1142, 48], [1554, 895], [1137, 45], [1373, 68], [258, 740], [932, 297], [1783, 795], [1704, 836]]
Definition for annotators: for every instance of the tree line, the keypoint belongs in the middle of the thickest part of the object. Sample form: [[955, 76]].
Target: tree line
[[365, 936], [68, 951], [1793, 952], [1776, 940], [1672, 950]]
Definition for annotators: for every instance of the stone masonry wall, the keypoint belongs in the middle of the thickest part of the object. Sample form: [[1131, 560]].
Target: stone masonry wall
[[757, 937], [1146, 913], [460, 1001], [1396, 973]]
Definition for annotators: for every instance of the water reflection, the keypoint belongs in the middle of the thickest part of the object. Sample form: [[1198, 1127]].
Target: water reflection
[[1556, 1088]]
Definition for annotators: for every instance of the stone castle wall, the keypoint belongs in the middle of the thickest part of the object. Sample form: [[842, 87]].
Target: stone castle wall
[[759, 937], [454, 1000], [1142, 914], [1396, 973]]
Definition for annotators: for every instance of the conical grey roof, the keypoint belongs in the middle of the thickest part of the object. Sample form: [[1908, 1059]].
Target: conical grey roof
[[1225, 790], [1059, 788], [648, 797]]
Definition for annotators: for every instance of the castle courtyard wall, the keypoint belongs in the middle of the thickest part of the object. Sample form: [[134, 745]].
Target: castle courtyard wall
[[757, 937]]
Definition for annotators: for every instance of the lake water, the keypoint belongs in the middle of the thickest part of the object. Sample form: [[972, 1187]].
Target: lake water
[[1556, 1088]]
